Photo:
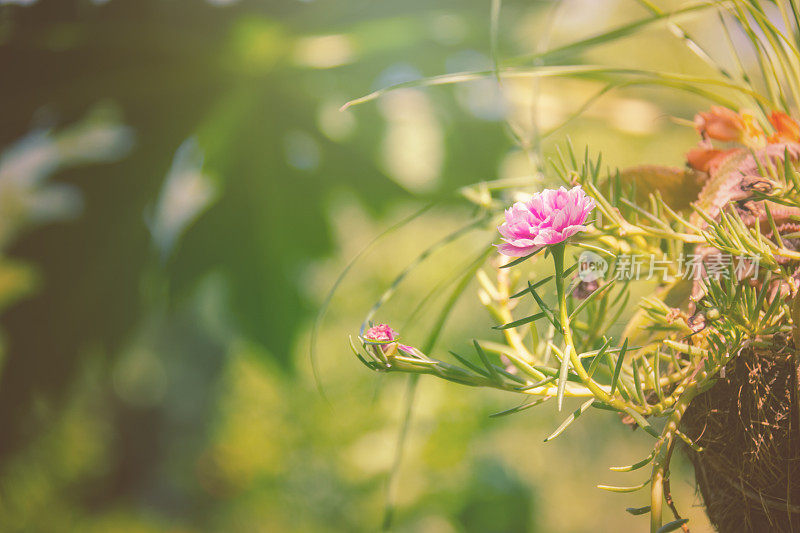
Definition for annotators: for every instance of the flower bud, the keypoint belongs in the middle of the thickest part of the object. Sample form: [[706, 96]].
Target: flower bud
[[382, 333], [381, 337], [584, 289], [720, 123]]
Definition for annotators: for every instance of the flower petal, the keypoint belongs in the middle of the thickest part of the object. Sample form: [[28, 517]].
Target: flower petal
[[513, 251], [549, 217]]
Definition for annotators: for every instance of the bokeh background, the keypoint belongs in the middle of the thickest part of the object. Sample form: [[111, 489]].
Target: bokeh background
[[178, 193]]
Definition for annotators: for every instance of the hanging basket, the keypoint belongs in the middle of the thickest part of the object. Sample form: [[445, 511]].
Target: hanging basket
[[748, 425]]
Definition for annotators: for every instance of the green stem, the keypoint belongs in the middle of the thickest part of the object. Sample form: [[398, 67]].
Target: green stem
[[660, 464], [558, 262], [663, 455]]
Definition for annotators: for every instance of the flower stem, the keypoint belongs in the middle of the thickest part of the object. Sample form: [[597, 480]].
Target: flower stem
[[558, 262]]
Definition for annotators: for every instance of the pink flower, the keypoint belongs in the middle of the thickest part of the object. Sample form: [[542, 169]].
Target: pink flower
[[550, 217], [380, 333]]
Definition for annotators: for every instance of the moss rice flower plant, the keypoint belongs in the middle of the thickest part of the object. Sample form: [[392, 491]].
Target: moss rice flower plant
[[707, 361]]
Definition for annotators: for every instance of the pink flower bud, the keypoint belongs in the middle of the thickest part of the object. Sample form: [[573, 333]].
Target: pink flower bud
[[380, 333]]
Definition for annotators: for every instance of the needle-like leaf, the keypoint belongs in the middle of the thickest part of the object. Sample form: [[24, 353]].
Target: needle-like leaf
[[569, 420], [672, 526], [519, 260], [635, 466], [492, 370], [469, 365], [634, 488], [642, 422], [551, 316], [521, 321], [637, 381], [618, 366], [527, 289], [596, 294], [519, 408], [598, 358], [562, 376]]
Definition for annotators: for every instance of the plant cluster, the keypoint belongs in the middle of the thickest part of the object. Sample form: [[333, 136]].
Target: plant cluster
[[737, 197]]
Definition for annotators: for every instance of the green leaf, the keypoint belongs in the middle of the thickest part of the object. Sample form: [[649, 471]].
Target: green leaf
[[591, 297], [654, 76], [509, 375], [562, 376], [635, 466], [521, 321], [494, 27], [548, 312], [492, 370], [519, 260], [654, 219], [369, 364], [519, 408], [657, 373], [618, 366], [788, 171], [597, 404], [541, 383], [523, 365], [554, 373], [672, 526], [634, 488], [610, 35], [571, 152], [598, 358], [775, 233], [569, 420], [595, 248], [638, 510], [469, 365], [527, 289], [762, 294], [772, 308], [569, 271], [414, 361], [637, 382], [689, 442], [642, 422]]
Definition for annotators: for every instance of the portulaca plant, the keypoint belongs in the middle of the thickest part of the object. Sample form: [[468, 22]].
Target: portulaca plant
[[708, 360]]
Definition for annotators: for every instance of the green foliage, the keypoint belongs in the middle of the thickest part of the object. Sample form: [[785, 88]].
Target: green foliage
[[644, 212]]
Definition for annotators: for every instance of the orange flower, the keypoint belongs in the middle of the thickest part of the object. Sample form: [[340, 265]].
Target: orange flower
[[720, 123], [753, 136], [786, 129], [706, 159]]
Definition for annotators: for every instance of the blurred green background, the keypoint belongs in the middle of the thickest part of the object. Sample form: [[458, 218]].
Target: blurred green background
[[179, 191]]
